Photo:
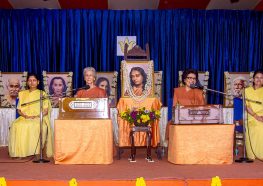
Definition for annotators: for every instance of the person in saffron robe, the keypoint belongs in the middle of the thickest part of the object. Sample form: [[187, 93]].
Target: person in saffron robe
[[186, 95], [138, 79], [254, 131], [89, 74], [24, 131]]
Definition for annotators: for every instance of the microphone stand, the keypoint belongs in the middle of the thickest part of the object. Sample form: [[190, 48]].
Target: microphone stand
[[243, 159], [41, 159]]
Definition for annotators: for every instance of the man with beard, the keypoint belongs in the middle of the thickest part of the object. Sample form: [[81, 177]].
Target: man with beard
[[13, 87]]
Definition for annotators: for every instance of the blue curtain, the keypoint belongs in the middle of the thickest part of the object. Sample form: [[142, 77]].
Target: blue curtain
[[69, 40]]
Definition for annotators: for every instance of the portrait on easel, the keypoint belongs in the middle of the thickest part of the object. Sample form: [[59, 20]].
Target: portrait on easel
[[234, 84], [108, 82], [158, 79], [137, 79], [57, 85], [10, 85]]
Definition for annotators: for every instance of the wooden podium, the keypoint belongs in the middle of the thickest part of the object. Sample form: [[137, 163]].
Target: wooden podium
[[83, 132], [201, 114], [83, 108]]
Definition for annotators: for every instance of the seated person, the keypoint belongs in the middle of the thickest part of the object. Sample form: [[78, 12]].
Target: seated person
[[89, 74], [24, 131], [186, 95]]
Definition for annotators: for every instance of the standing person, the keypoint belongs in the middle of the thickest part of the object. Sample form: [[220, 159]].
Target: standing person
[[254, 132], [186, 95], [24, 131], [89, 74], [13, 87], [57, 88]]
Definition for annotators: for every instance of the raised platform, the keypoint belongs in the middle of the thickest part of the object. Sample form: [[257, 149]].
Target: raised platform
[[122, 172]]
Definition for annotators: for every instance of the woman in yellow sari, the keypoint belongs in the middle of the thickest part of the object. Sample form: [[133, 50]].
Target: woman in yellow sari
[[25, 130], [254, 132]]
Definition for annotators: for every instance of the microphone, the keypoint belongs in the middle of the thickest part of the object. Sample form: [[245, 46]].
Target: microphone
[[86, 87], [198, 86]]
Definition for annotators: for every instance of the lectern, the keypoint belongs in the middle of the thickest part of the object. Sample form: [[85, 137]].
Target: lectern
[[84, 108], [210, 114], [83, 132]]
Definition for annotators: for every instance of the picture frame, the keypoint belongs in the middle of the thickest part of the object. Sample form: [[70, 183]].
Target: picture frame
[[57, 85], [108, 82], [10, 84], [234, 82], [158, 81], [141, 88]]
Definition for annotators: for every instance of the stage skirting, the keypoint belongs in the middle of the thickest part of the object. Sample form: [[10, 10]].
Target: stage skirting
[[201, 144], [83, 141], [188, 182]]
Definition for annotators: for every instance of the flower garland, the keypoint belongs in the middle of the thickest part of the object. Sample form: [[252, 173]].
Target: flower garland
[[205, 83], [46, 89], [24, 76], [148, 85], [112, 95], [158, 77], [69, 84], [250, 83], [180, 78], [228, 97], [1, 85]]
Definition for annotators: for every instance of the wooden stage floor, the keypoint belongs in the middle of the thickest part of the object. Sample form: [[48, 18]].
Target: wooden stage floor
[[122, 170]]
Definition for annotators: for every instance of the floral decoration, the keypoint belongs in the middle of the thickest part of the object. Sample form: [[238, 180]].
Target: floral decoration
[[140, 117], [216, 181]]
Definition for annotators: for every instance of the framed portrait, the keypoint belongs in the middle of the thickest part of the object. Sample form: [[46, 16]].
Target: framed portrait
[[234, 83], [203, 77], [137, 79], [158, 81], [10, 84], [57, 85], [108, 82]]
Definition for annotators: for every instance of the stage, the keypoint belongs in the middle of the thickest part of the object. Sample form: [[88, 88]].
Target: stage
[[122, 172]]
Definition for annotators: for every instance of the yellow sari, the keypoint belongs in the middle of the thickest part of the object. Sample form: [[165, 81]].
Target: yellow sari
[[254, 132], [24, 133]]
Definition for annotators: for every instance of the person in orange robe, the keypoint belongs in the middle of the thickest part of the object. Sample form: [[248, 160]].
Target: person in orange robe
[[89, 74], [186, 95], [138, 79]]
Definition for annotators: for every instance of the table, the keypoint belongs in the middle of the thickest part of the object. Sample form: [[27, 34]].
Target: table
[[83, 141], [201, 144]]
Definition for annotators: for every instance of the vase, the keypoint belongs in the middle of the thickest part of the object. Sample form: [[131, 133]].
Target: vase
[[141, 124]]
